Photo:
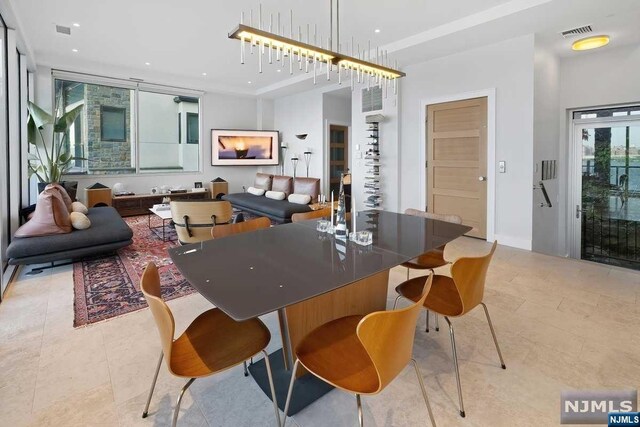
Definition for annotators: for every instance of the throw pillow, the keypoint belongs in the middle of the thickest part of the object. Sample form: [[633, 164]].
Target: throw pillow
[[275, 195], [65, 196], [255, 191], [300, 199], [79, 221], [50, 217], [79, 207]]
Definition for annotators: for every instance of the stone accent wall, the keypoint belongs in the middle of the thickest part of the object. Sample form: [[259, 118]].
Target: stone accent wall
[[107, 156]]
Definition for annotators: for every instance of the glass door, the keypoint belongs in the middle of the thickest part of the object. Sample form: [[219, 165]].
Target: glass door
[[607, 203], [338, 155]]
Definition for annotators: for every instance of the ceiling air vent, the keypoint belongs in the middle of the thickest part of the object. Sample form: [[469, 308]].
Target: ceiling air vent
[[63, 30], [577, 31]]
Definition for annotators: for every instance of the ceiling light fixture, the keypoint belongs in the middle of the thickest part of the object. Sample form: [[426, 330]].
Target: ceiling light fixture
[[588, 43], [249, 82], [359, 66], [147, 63], [377, 30], [204, 74], [74, 50], [75, 24]]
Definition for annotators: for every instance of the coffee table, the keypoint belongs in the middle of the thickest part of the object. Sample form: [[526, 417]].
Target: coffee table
[[164, 215]]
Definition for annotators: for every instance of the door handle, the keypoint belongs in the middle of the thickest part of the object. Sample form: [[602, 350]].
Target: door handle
[[578, 211], [482, 178]]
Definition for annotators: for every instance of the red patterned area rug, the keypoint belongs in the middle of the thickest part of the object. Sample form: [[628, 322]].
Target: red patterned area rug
[[109, 286]]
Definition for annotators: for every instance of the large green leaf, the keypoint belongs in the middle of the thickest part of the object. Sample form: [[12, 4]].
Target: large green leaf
[[65, 121], [39, 116]]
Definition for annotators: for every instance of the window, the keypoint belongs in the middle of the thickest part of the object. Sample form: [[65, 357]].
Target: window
[[193, 125], [113, 124], [129, 129]]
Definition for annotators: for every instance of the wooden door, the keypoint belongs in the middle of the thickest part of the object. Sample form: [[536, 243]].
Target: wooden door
[[457, 162], [338, 155]]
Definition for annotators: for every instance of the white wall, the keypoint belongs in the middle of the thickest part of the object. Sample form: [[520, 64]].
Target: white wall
[[606, 76], [546, 131], [219, 111], [298, 114], [508, 67]]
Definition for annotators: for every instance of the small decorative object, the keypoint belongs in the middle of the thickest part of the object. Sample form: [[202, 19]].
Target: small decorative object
[[283, 147], [323, 225], [197, 185], [341, 231], [302, 136], [164, 189], [362, 238], [307, 160], [294, 161], [118, 188], [154, 190], [166, 200]]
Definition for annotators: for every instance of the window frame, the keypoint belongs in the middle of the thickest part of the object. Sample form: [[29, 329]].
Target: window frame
[[111, 109], [136, 87], [188, 139]]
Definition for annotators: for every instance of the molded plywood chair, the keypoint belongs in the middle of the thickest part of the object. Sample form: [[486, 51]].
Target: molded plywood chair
[[320, 213], [435, 257], [212, 343], [225, 230], [363, 354], [194, 219], [456, 296]]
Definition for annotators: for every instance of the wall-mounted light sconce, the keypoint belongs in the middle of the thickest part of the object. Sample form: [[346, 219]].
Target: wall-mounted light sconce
[[302, 136]]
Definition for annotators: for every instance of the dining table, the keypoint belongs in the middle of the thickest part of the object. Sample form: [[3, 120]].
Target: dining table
[[308, 278]]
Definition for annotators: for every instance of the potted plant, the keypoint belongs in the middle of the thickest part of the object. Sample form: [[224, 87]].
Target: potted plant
[[50, 157]]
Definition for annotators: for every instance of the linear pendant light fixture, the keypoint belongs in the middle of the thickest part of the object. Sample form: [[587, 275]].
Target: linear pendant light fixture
[[358, 66]]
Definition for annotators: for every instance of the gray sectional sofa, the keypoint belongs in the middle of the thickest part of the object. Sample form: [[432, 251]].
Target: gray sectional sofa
[[107, 233]]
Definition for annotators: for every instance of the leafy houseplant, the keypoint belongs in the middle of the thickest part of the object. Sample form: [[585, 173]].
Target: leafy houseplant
[[49, 135]]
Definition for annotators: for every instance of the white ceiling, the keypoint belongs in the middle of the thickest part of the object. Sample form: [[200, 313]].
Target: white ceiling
[[181, 40]]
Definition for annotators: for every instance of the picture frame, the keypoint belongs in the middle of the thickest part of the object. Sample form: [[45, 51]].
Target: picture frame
[[244, 147], [197, 184]]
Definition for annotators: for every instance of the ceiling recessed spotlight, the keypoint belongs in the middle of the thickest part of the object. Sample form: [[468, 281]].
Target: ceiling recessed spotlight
[[249, 82], [75, 24], [377, 30], [74, 50], [204, 74], [147, 63], [590, 42], [278, 70]]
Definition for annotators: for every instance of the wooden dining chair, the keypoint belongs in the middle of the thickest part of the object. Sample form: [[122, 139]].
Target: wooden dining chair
[[224, 230], [212, 343], [363, 354], [456, 296], [305, 216], [435, 257], [194, 219]]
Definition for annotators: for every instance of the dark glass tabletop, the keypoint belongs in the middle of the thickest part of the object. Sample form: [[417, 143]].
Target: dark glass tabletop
[[251, 274]]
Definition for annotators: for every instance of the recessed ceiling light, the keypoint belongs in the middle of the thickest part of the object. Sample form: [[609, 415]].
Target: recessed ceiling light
[[377, 30], [74, 50], [75, 24], [590, 42], [278, 70], [147, 63], [249, 82], [204, 74]]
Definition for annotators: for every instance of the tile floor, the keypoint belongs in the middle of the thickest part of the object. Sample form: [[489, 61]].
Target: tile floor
[[562, 324]]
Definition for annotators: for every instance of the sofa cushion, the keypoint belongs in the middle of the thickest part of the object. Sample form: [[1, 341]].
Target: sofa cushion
[[63, 192], [50, 217], [79, 207], [106, 227], [275, 195], [310, 186], [301, 199], [280, 209], [263, 180], [282, 183], [79, 221], [255, 191]]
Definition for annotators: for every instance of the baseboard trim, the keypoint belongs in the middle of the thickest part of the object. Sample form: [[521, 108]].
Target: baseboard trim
[[514, 242]]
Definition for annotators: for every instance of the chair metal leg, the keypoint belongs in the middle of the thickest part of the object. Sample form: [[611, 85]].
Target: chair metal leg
[[427, 329], [271, 386], [360, 414], [179, 401], [153, 386], [293, 379], [435, 315], [395, 304], [455, 365], [424, 391], [246, 371], [493, 334]]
